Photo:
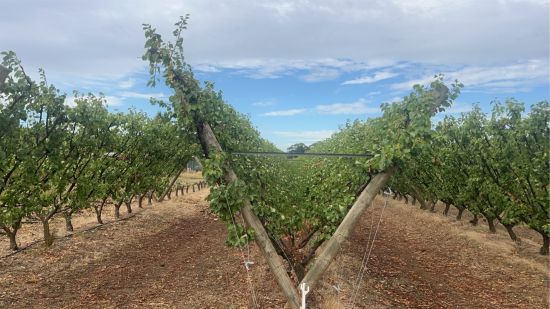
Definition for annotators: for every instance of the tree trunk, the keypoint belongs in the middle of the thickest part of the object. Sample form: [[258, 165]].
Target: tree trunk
[[177, 190], [140, 200], [117, 210], [475, 220], [193, 187], [68, 221], [169, 194], [331, 247], [129, 206], [423, 204], [447, 207], [432, 209], [491, 223], [99, 210], [510, 229], [98, 216], [48, 237], [187, 189], [460, 212], [406, 198], [150, 198], [11, 231], [545, 249], [13, 240]]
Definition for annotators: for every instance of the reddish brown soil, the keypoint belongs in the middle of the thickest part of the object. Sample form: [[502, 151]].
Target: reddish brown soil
[[173, 255]]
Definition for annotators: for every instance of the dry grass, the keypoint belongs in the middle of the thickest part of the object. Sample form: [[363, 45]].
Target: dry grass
[[190, 177]]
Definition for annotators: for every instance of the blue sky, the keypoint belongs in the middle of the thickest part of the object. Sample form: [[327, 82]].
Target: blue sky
[[300, 68]]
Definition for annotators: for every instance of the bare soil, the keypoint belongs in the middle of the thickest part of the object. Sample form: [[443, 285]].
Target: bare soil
[[173, 255]]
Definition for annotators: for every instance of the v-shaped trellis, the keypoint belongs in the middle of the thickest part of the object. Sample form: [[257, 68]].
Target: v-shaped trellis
[[326, 253]]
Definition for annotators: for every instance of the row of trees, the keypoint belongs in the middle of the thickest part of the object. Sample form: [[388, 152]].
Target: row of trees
[[59, 159], [496, 166], [299, 210]]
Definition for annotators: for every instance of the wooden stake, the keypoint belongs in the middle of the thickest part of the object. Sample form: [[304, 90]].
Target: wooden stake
[[330, 249]]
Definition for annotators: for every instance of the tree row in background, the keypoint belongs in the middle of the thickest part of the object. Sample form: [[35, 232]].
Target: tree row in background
[[496, 166], [57, 160]]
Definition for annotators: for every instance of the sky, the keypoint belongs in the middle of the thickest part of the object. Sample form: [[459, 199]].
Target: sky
[[299, 69]]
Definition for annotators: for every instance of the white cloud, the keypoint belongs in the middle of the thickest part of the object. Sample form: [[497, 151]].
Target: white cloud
[[112, 101], [70, 101], [314, 40], [309, 70], [457, 108], [322, 74], [205, 68], [137, 95], [287, 112], [395, 99], [355, 108], [127, 84], [378, 76], [264, 103], [511, 77], [305, 136]]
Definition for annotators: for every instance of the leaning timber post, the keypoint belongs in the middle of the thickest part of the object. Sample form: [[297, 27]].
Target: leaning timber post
[[209, 143], [169, 188], [330, 249]]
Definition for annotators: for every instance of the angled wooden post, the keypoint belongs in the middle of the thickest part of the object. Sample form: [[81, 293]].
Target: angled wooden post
[[210, 143], [170, 185], [331, 247]]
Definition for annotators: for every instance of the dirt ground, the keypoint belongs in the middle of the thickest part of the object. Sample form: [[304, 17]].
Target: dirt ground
[[173, 255]]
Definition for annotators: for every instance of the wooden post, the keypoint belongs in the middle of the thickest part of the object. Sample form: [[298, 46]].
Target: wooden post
[[210, 143], [331, 247], [169, 188]]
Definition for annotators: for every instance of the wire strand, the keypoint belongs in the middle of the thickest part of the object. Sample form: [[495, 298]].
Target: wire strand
[[249, 279], [365, 266]]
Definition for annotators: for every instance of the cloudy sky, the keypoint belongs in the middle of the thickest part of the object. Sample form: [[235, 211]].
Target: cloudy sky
[[299, 68]]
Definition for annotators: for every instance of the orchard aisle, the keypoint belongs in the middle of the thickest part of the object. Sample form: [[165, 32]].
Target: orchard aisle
[[174, 255]]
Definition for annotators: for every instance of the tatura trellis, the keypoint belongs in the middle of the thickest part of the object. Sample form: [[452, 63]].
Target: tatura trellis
[[57, 159], [310, 214]]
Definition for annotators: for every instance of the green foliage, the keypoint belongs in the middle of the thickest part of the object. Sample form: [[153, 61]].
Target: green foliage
[[56, 158], [292, 198], [298, 148], [496, 166]]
